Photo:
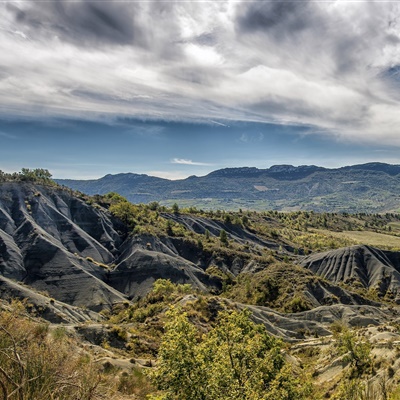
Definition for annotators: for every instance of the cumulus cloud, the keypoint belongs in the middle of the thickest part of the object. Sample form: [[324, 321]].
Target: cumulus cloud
[[333, 66]]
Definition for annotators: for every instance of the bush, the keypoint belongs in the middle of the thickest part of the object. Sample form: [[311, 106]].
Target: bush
[[357, 352], [37, 365], [235, 360]]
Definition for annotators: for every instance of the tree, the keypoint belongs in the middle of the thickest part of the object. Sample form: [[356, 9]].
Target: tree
[[235, 360], [223, 237], [154, 206], [169, 228], [180, 371], [35, 175], [175, 208], [125, 211], [227, 219], [356, 351]]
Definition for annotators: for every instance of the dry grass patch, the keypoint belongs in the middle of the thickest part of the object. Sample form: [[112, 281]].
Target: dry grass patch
[[366, 237]]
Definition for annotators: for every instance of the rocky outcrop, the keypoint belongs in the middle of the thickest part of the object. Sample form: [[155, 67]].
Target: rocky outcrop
[[44, 306]]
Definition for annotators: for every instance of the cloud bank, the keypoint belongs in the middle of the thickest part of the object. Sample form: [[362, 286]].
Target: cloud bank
[[332, 65]]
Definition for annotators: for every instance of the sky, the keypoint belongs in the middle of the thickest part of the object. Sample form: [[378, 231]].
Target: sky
[[180, 88]]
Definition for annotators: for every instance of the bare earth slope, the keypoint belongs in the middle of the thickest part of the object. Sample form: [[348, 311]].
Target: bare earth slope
[[358, 265], [45, 237], [55, 242]]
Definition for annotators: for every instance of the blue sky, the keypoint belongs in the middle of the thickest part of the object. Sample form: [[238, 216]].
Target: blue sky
[[174, 150], [176, 88]]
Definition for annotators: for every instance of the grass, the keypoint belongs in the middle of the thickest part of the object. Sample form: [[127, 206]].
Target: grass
[[366, 237], [395, 226]]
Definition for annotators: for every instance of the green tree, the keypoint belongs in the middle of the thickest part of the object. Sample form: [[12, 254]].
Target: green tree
[[154, 206], [227, 219], [38, 175], [223, 237], [235, 360], [180, 371], [169, 228], [175, 208], [125, 211], [356, 351]]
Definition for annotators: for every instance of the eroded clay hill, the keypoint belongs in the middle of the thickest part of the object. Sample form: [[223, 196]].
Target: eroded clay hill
[[71, 258], [359, 266], [54, 242]]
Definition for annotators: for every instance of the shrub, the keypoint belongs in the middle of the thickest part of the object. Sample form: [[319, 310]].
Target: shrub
[[235, 360], [36, 365]]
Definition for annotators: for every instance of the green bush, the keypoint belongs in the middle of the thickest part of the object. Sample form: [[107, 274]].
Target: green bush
[[235, 360]]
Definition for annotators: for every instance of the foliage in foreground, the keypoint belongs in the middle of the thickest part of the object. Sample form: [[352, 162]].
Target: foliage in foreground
[[38, 364], [235, 360]]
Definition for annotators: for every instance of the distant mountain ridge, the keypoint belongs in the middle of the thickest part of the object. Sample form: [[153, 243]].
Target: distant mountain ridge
[[371, 187]]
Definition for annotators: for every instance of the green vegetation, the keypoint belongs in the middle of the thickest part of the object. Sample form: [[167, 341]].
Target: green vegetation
[[236, 359], [203, 343], [356, 351], [387, 240], [305, 231], [38, 364], [273, 287], [38, 175], [223, 237]]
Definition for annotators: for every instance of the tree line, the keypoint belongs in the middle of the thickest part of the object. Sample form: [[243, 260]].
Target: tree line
[[37, 175]]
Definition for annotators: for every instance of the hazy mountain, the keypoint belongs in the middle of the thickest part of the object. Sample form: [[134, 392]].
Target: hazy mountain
[[372, 187]]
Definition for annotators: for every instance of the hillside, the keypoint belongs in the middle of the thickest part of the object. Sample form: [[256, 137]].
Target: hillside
[[108, 270], [372, 187], [79, 250]]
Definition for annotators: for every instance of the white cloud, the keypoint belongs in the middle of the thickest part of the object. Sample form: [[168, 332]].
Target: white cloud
[[188, 162], [251, 138], [219, 123], [329, 65], [244, 138]]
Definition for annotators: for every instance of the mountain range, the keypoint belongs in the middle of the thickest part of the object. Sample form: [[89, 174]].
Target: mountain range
[[372, 187]]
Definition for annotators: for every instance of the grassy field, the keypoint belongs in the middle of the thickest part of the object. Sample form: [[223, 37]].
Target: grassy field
[[395, 226], [366, 237]]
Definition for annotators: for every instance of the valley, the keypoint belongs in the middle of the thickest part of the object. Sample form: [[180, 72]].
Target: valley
[[100, 273]]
